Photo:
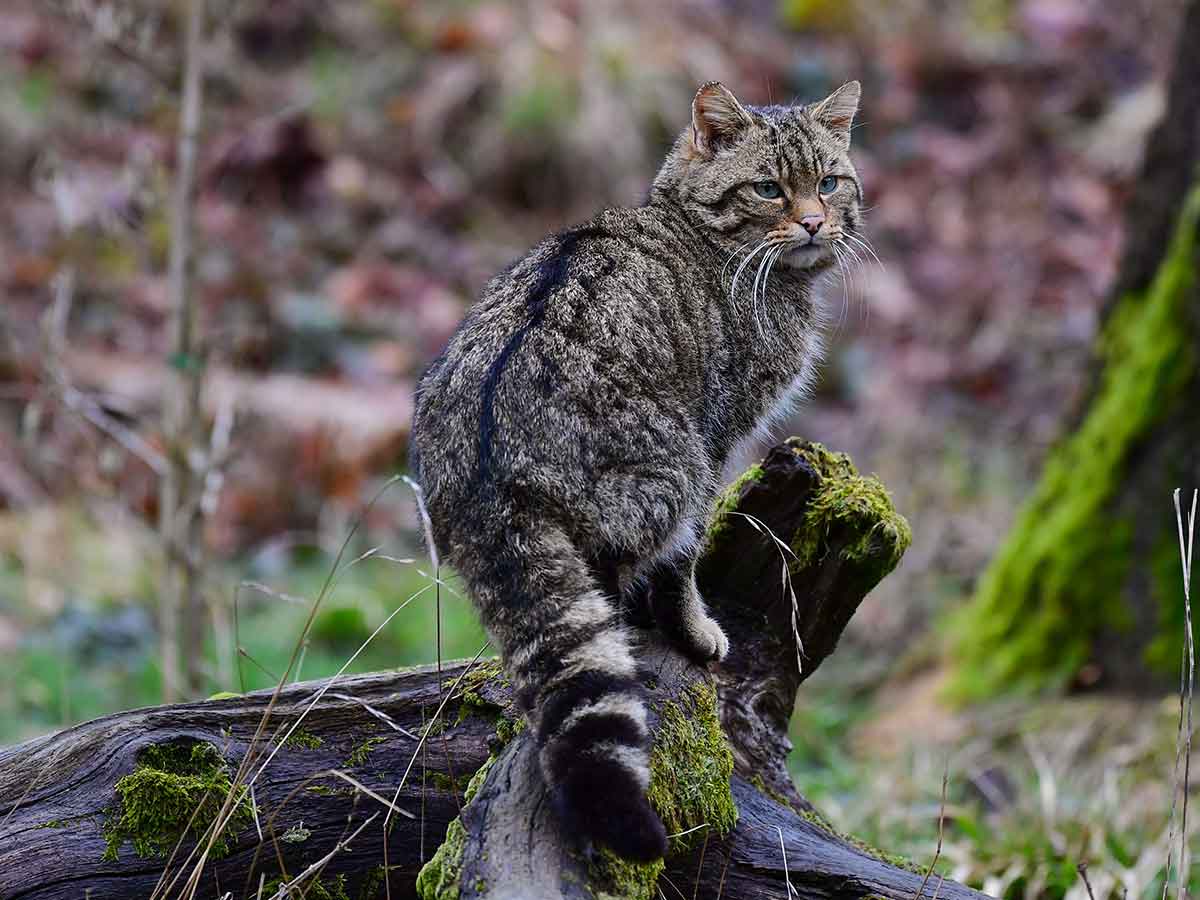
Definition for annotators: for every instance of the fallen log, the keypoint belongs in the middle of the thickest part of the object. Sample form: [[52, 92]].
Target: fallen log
[[424, 783]]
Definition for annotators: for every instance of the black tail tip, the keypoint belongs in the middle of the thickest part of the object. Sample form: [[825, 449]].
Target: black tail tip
[[627, 825]]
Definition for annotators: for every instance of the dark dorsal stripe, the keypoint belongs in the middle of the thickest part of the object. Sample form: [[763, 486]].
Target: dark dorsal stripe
[[551, 273]]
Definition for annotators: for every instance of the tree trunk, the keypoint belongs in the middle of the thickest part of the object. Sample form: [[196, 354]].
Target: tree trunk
[[439, 793], [1086, 588]]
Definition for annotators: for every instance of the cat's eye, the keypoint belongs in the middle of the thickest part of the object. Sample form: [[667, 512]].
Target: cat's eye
[[828, 184], [768, 190]]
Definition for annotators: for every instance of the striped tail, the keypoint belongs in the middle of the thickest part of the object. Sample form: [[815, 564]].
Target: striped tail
[[569, 656]]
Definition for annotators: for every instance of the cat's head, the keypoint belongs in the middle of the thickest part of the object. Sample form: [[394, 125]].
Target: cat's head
[[780, 174]]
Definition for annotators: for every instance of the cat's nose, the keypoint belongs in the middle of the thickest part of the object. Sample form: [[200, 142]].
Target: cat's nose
[[812, 223]]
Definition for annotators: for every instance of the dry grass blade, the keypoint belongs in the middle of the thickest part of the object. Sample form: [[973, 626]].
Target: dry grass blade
[[787, 876], [337, 773], [785, 578], [378, 714], [1183, 736], [432, 722], [420, 746], [254, 810], [333, 679], [724, 872], [254, 750], [700, 865], [937, 853], [672, 885], [426, 522]]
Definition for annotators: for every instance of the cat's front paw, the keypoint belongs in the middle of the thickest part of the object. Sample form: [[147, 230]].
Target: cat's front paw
[[705, 639]]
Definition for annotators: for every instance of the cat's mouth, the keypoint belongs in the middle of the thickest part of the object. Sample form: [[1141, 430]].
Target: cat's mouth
[[805, 256]]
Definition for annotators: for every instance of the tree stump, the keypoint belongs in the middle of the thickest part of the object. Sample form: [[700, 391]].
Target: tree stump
[[420, 783]]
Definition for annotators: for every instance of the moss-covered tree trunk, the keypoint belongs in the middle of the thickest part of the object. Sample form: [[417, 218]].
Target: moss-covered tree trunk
[[1086, 587]]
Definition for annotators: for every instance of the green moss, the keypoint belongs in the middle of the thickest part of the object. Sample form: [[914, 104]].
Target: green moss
[[173, 789], [1058, 579], [303, 740], [474, 703], [224, 695], [507, 729], [444, 782], [324, 790], [758, 782], [439, 878], [359, 754], [894, 859], [851, 512], [297, 834], [433, 729], [728, 501], [690, 767], [820, 821], [619, 879], [373, 884], [313, 889], [477, 779], [851, 508]]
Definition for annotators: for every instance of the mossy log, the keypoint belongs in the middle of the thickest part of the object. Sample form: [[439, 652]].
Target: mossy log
[[118, 807]]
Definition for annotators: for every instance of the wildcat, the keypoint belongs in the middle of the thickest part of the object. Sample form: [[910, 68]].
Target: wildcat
[[570, 438]]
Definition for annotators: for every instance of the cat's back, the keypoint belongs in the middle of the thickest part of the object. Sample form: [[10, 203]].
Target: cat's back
[[549, 367]]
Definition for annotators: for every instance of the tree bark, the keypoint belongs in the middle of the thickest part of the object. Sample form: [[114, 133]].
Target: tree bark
[[803, 510], [1085, 589]]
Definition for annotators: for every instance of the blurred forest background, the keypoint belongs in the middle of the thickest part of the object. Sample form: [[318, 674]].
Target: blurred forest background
[[365, 166]]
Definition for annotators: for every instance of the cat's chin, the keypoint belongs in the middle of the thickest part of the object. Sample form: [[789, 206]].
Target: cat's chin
[[809, 256]]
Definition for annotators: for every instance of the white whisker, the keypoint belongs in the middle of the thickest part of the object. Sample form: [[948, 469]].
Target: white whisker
[[766, 258], [866, 245], [732, 256], [738, 273], [841, 263], [783, 247]]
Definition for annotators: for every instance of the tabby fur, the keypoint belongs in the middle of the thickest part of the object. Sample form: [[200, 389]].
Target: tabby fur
[[571, 437]]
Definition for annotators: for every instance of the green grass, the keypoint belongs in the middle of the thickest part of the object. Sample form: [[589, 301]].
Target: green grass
[[362, 599], [1065, 780], [61, 674]]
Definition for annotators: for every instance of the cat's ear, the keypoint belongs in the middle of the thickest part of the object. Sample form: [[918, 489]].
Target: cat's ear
[[836, 112], [718, 120]]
